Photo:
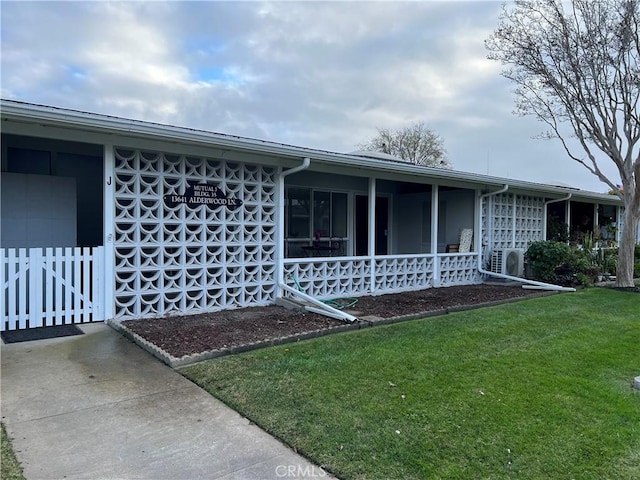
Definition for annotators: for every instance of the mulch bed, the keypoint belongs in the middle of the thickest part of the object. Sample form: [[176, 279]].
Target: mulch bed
[[188, 335]]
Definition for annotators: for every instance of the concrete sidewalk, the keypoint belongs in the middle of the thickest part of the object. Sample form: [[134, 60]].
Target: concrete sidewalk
[[96, 406]]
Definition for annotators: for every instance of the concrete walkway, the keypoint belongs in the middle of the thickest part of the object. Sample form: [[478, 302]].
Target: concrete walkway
[[96, 406]]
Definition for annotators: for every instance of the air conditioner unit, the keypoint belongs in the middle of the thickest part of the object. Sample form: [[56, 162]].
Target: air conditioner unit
[[509, 261]]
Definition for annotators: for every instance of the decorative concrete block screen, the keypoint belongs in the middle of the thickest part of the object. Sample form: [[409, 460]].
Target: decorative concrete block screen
[[402, 273], [328, 278], [529, 220], [191, 258], [459, 270], [498, 223]]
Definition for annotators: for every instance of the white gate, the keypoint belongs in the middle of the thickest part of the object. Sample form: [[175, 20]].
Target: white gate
[[50, 286]]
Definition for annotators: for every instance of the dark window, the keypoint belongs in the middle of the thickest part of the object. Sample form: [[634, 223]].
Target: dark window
[[23, 160]]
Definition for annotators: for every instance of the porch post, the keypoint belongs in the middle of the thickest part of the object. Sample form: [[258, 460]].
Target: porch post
[[372, 232], [109, 220], [435, 199], [567, 215], [280, 233], [477, 224], [545, 220]]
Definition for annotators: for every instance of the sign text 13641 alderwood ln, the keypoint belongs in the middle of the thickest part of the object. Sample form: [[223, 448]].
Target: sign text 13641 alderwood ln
[[201, 194]]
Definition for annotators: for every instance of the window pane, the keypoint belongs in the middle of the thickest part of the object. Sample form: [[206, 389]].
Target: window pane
[[321, 214], [23, 160], [298, 212], [339, 215]]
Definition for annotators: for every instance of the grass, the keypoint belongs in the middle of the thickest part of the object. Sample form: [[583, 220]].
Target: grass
[[9, 467], [531, 390]]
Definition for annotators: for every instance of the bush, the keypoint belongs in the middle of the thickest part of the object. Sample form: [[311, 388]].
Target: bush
[[556, 262], [545, 258], [607, 260]]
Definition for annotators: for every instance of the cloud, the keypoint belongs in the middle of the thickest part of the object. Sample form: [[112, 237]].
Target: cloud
[[316, 74]]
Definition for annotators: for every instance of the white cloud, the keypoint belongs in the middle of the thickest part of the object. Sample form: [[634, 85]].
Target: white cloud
[[317, 74]]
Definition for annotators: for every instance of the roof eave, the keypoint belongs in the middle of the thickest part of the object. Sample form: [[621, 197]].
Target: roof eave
[[27, 112]]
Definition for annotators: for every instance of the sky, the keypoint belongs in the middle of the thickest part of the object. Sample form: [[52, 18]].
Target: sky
[[322, 75]]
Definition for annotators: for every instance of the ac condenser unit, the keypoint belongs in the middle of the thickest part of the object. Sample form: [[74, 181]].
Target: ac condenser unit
[[509, 261]]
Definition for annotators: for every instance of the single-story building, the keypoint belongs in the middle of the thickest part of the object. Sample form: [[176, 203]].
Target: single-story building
[[110, 218]]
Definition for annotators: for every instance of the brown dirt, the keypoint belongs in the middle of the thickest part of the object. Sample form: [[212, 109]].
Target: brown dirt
[[186, 335]]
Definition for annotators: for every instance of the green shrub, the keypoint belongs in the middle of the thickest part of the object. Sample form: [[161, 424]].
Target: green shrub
[[545, 258], [636, 270], [607, 260], [583, 279], [557, 262]]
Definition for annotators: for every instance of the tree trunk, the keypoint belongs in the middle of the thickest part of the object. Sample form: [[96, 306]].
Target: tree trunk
[[624, 272]]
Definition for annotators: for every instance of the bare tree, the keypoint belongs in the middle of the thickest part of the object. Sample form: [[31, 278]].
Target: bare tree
[[415, 144], [575, 65]]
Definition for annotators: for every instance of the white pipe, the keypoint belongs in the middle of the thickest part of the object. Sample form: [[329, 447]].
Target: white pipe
[[542, 285], [544, 223], [489, 218], [488, 194], [303, 166], [280, 217], [489, 213], [322, 308], [547, 286]]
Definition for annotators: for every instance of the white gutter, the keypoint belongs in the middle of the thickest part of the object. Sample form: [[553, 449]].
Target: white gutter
[[544, 224], [529, 283], [319, 307], [490, 194], [23, 112], [489, 218]]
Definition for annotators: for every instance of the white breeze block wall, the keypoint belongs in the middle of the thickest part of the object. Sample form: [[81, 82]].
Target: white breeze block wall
[[191, 259], [529, 216]]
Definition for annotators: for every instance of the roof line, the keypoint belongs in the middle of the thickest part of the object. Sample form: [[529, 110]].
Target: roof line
[[103, 122]]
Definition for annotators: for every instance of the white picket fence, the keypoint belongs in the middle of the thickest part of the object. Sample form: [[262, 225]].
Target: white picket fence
[[50, 286]]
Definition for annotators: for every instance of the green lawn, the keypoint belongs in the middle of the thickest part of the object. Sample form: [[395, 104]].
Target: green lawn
[[9, 467], [532, 390]]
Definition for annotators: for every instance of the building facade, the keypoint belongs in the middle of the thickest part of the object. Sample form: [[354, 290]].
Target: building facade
[[110, 218]]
